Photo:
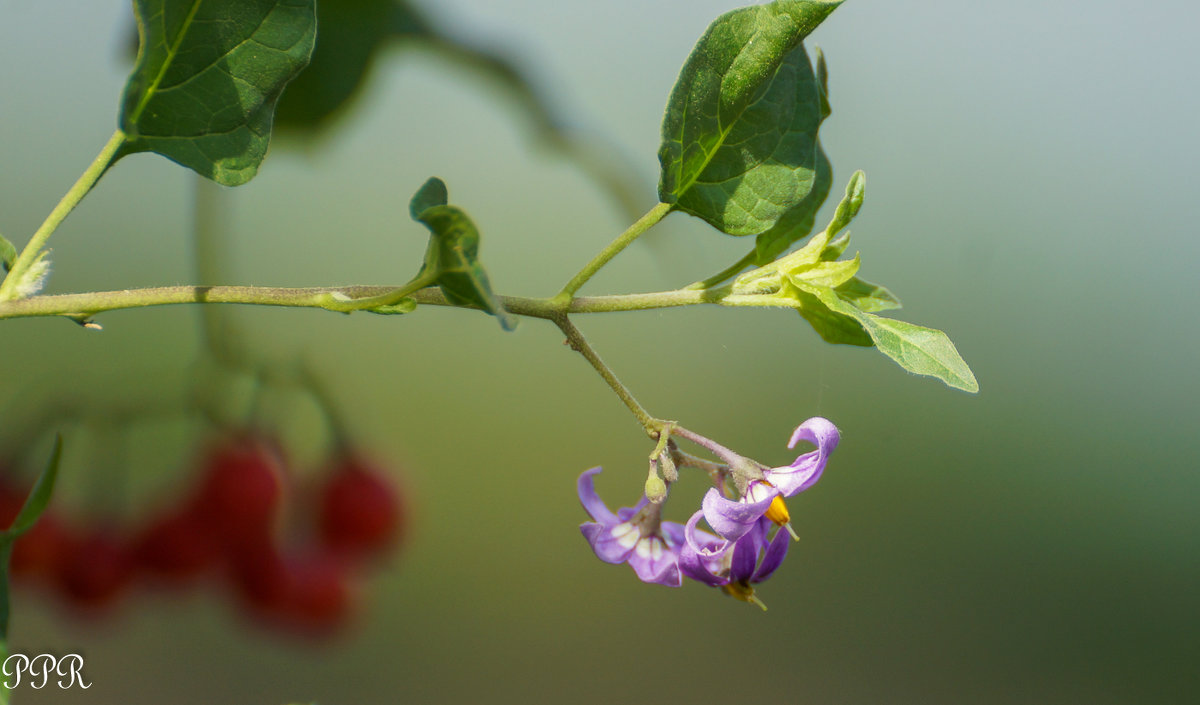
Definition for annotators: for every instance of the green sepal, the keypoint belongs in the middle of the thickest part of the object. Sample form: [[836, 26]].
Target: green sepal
[[739, 145], [207, 77], [8, 253], [453, 253]]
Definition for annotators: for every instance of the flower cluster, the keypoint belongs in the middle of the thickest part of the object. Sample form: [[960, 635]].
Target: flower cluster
[[742, 552]]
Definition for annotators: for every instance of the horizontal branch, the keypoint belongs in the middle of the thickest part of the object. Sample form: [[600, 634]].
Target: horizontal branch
[[342, 299]]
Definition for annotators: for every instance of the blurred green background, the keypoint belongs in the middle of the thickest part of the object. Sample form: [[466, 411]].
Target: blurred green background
[[1029, 192]]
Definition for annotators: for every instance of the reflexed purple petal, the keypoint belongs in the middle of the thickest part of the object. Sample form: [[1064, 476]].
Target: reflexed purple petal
[[745, 555], [695, 567], [806, 469], [773, 557], [673, 534], [609, 548], [654, 562], [702, 554], [732, 519], [819, 431], [591, 501]]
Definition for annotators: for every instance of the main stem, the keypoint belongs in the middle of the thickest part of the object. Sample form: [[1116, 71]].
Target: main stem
[[652, 217], [70, 199]]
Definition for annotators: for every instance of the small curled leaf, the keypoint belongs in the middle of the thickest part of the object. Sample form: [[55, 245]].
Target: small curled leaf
[[432, 193], [452, 257]]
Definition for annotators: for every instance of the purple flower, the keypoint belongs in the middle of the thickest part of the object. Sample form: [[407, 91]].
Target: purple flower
[[763, 490], [734, 566], [636, 535]]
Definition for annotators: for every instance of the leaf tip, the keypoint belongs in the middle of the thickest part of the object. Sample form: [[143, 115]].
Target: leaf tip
[[432, 193]]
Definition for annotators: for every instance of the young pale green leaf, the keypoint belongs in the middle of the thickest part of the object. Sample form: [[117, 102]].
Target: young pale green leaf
[[920, 350], [207, 77], [822, 273], [8, 253], [850, 204], [866, 296], [453, 255], [739, 144], [432, 193], [834, 249]]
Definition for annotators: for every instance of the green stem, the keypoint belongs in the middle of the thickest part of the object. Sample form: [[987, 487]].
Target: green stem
[[726, 273], [87, 180], [652, 217], [345, 299], [579, 344]]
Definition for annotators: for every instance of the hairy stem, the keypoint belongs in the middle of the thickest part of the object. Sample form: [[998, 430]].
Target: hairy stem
[[730, 271], [652, 217], [85, 183], [579, 344], [344, 299]]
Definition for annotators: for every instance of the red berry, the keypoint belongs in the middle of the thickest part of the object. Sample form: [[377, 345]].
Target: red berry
[[319, 600], [96, 569], [259, 575], [175, 547], [360, 509], [41, 550], [241, 488]]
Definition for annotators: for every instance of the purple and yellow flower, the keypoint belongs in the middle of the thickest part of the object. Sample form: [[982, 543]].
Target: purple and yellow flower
[[764, 490], [635, 535], [735, 566]]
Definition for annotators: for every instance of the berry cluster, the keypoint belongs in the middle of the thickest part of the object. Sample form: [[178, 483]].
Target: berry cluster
[[290, 559]]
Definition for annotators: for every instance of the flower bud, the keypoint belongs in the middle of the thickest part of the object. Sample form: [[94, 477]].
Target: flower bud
[[656, 489]]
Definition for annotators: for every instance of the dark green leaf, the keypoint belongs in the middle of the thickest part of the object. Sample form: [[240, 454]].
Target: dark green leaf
[[352, 33], [432, 193], [453, 255], [797, 222], [207, 77], [8, 253], [739, 142]]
